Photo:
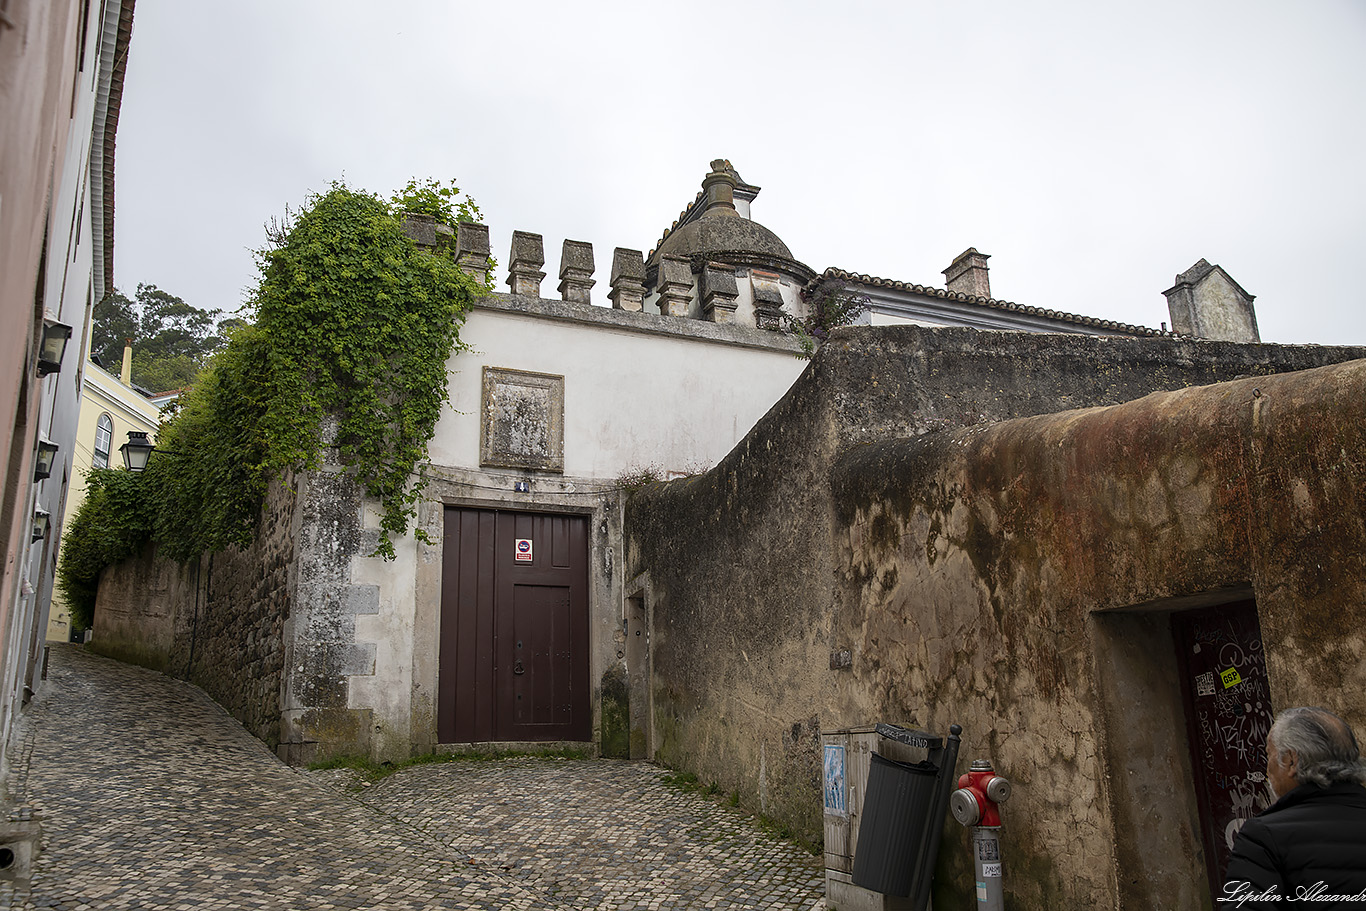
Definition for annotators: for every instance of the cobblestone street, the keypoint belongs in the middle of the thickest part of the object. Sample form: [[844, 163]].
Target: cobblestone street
[[152, 797]]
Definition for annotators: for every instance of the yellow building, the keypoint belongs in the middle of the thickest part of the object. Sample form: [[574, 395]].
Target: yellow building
[[110, 408]]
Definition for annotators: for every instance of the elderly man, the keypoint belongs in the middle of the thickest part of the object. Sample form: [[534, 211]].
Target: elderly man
[[1310, 845]]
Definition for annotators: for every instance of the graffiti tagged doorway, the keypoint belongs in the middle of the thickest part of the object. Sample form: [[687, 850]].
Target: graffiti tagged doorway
[[1227, 698], [514, 628]]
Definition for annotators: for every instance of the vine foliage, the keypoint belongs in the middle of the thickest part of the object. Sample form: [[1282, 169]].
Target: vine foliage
[[352, 329], [830, 303]]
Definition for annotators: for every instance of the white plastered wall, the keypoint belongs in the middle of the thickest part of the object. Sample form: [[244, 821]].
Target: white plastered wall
[[674, 400], [631, 400]]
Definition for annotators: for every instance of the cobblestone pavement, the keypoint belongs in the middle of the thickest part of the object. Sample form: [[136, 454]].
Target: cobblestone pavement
[[152, 797]]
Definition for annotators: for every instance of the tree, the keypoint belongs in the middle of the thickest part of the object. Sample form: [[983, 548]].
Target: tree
[[162, 374], [113, 322], [171, 339]]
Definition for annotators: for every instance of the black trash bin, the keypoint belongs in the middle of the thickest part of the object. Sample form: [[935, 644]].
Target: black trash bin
[[904, 807], [899, 799]]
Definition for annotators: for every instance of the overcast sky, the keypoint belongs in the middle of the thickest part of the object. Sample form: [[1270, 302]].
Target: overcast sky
[[1093, 151]]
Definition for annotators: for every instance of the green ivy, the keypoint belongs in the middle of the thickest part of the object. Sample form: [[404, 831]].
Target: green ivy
[[353, 328], [443, 201], [111, 525]]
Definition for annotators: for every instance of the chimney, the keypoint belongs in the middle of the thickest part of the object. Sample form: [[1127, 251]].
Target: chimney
[[126, 374], [1207, 303], [968, 274]]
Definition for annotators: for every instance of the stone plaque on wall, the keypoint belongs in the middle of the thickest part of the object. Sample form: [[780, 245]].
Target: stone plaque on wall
[[522, 420]]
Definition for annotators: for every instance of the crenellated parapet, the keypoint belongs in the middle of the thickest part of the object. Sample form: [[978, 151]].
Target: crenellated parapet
[[628, 279], [732, 287], [576, 272], [472, 249], [715, 264], [524, 264]]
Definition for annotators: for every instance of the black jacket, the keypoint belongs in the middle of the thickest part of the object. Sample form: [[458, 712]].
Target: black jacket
[[1311, 835]]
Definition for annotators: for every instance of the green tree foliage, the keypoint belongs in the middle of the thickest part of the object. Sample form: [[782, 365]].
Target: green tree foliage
[[163, 374], [362, 324], [113, 322], [353, 327], [171, 339]]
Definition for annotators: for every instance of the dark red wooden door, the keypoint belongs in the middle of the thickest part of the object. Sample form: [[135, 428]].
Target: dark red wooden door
[[514, 628], [1228, 714]]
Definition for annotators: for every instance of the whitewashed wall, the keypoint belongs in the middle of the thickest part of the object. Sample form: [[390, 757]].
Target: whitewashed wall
[[641, 391]]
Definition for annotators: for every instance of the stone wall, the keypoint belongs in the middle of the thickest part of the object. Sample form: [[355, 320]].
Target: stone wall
[[320, 647], [977, 570], [138, 609], [880, 549], [270, 630], [218, 622]]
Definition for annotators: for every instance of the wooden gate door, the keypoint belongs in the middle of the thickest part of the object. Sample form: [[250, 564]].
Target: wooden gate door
[[514, 628], [1228, 714]]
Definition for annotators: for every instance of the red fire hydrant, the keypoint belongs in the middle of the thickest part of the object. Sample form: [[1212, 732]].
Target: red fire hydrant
[[976, 803]]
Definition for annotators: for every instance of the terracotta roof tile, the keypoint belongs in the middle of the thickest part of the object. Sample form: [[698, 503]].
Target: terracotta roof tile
[[994, 304]]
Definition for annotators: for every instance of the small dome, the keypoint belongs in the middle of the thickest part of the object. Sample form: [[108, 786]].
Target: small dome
[[717, 232], [713, 230]]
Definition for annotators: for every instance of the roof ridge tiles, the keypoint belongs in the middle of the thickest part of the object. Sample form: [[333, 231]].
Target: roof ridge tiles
[[997, 304]]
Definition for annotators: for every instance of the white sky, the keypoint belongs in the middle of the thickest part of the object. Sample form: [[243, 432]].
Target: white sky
[[1093, 151]]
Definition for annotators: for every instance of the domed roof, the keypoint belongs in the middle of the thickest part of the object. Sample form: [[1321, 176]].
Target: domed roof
[[717, 231], [720, 228]]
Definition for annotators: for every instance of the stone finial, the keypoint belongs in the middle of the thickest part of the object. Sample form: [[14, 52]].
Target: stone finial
[[628, 279], [472, 249], [768, 299], [719, 185], [524, 264], [425, 230], [675, 286], [1207, 303], [576, 271], [719, 291], [968, 274], [421, 228]]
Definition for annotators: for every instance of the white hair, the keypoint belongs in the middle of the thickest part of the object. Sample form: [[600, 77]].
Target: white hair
[[1323, 742]]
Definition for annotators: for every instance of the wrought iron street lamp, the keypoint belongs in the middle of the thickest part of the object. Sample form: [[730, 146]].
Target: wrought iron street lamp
[[47, 456], [41, 519], [55, 336], [136, 451]]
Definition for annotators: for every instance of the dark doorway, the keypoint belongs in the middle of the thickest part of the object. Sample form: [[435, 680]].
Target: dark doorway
[[514, 628], [1227, 696]]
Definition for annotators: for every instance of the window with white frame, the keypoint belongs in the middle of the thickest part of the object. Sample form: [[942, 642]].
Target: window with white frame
[[104, 435]]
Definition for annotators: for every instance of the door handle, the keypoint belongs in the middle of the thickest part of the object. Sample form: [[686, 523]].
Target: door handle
[[518, 669]]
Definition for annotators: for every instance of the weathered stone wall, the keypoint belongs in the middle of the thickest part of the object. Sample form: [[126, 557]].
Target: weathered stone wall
[[972, 565], [218, 623], [137, 610], [270, 630], [944, 568], [236, 649], [320, 647]]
